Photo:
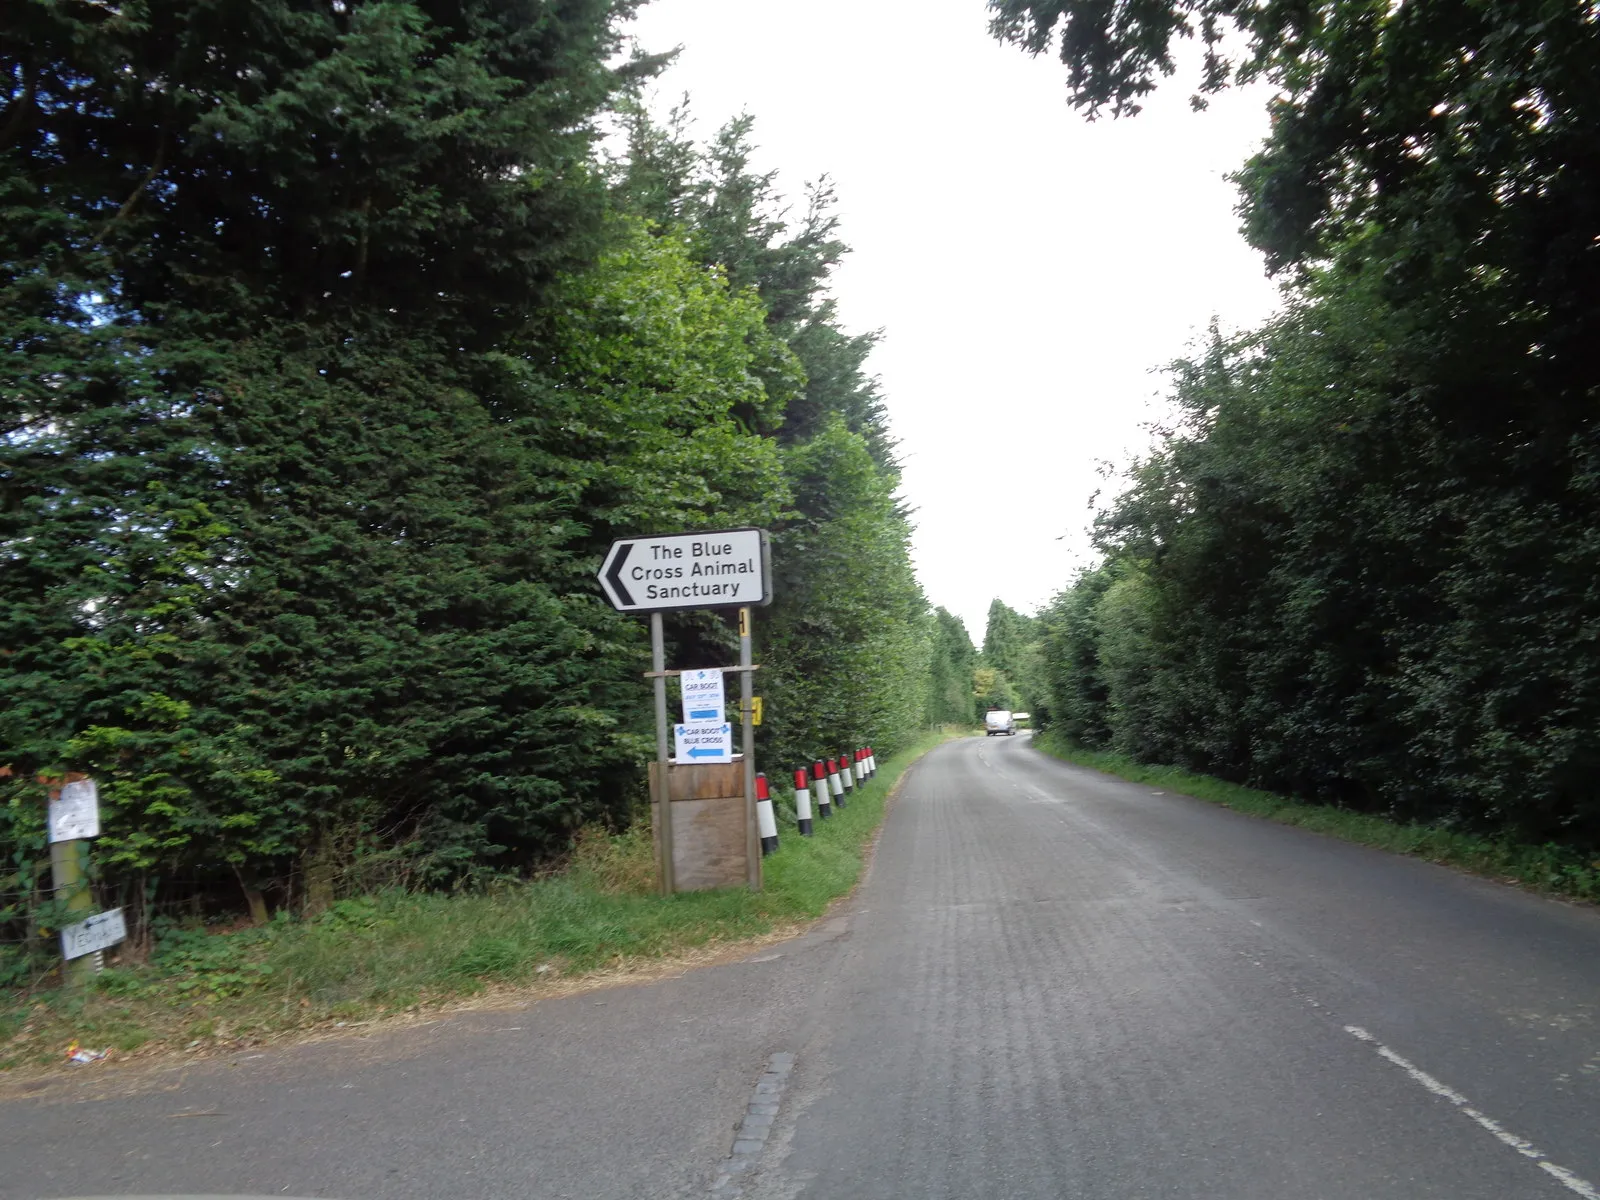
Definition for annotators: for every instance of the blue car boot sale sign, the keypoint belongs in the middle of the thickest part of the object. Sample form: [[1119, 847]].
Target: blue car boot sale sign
[[703, 742], [703, 698]]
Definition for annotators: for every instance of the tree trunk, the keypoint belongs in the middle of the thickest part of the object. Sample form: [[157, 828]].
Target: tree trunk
[[318, 867], [253, 897]]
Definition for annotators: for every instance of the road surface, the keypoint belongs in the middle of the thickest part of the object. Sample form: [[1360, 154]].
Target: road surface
[[1052, 984]]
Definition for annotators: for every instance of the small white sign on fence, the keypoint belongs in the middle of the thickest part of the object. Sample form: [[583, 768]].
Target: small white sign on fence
[[96, 933], [75, 812]]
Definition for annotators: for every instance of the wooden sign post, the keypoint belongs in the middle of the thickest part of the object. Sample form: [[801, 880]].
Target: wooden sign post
[[74, 818], [676, 571]]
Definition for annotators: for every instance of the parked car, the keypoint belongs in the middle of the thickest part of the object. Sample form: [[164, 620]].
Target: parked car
[[999, 720]]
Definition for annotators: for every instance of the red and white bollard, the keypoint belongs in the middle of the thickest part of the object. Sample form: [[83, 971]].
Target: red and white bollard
[[835, 784], [802, 802], [847, 772], [872, 763], [819, 785], [861, 766], [766, 821]]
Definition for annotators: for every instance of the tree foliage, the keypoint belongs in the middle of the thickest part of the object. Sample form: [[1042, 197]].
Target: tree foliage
[[283, 566], [1010, 671], [1364, 569], [845, 647], [1006, 637], [953, 659], [333, 359]]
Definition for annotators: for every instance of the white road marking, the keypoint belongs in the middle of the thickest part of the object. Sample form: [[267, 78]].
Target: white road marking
[[1522, 1146]]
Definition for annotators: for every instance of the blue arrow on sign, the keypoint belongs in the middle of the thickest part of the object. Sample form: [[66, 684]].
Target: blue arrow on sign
[[705, 714], [699, 753]]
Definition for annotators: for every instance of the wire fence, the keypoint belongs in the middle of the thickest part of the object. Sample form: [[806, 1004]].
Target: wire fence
[[31, 916], [165, 899]]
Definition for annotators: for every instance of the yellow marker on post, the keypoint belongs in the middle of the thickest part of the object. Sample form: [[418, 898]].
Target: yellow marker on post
[[755, 710]]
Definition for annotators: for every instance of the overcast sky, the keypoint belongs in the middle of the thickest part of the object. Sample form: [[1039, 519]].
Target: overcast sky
[[1029, 270]]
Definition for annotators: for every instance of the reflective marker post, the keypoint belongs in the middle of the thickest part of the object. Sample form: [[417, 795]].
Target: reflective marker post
[[765, 817], [802, 802], [819, 782]]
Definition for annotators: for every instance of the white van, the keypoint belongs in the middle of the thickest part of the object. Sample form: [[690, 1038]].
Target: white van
[[998, 720]]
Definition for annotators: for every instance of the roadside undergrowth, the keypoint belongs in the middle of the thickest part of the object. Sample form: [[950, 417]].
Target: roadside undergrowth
[[390, 953], [1556, 870]]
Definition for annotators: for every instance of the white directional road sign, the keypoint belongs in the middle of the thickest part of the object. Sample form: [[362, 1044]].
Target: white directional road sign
[[703, 742], [724, 569], [95, 933], [702, 696]]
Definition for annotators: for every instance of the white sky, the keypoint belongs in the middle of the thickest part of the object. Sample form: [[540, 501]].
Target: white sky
[[1029, 269]]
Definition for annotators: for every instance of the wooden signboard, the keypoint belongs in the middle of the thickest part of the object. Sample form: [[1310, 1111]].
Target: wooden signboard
[[710, 838]]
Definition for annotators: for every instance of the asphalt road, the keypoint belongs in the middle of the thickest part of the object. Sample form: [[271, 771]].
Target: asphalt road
[[1053, 984]]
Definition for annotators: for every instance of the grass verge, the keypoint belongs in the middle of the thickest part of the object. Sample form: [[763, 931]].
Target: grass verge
[[381, 955], [1554, 869]]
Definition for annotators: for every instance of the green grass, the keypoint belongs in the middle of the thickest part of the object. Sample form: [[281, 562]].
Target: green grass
[[369, 956], [1554, 869]]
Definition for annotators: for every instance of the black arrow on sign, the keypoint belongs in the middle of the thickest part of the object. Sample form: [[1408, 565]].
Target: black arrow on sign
[[614, 574]]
